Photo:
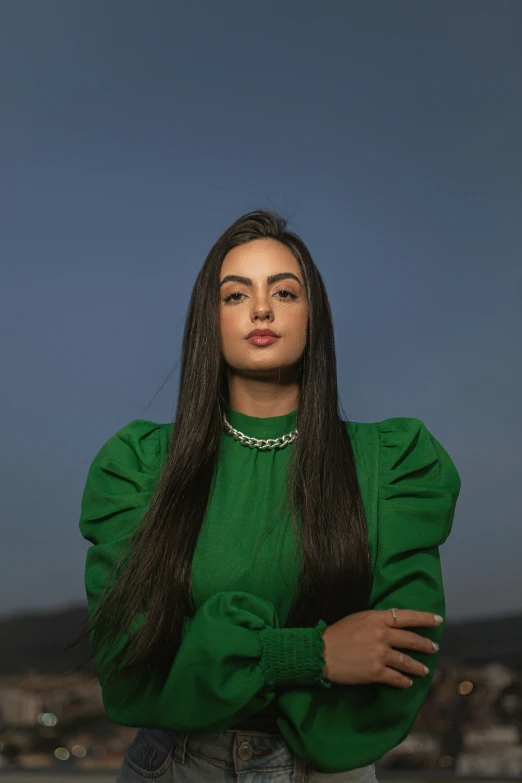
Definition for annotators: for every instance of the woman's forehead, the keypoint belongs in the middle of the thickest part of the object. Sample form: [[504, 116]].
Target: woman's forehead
[[259, 258]]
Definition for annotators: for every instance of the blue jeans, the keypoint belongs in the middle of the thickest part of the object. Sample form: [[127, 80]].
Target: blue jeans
[[224, 757]]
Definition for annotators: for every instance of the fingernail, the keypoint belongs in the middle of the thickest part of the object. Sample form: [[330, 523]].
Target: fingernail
[[426, 670], [438, 618], [435, 646], [411, 683]]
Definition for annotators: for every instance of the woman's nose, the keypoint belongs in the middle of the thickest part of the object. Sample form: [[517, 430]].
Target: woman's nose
[[261, 308]]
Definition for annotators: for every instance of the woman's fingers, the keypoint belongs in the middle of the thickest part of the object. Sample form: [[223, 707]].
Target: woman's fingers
[[405, 663], [365, 647], [394, 678], [411, 641], [407, 617]]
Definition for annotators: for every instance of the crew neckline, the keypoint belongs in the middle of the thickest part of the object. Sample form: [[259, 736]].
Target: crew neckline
[[268, 427]]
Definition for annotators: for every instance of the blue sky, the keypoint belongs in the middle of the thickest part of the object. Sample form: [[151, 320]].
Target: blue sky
[[134, 133]]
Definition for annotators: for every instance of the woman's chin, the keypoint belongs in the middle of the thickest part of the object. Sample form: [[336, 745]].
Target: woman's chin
[[267, 370]]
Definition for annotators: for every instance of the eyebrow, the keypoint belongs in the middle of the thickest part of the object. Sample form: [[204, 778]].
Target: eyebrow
[[269, 280]]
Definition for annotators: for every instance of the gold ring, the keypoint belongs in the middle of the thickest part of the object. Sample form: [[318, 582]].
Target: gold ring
[[400, 659], [394, 613]]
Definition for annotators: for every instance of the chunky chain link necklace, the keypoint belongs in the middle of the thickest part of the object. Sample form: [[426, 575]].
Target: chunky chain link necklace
[[259, 443]]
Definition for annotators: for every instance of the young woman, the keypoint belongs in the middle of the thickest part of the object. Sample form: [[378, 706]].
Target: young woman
[[264, 582]]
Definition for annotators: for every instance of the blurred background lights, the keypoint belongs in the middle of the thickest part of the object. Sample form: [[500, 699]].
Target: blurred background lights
[[510, 702], [79, 751], [62, 753], [47, 719], [465, 687]]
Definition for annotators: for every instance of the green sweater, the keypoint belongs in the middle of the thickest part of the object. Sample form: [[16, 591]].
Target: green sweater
[[238, 667]]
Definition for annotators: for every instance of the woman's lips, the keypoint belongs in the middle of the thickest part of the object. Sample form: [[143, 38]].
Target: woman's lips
[[262, 339]]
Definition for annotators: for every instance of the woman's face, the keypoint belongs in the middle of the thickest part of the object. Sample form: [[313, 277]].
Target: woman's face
[[262, 288]]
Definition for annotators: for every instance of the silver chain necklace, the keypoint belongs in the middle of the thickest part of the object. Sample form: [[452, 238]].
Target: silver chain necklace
[[260, 443]]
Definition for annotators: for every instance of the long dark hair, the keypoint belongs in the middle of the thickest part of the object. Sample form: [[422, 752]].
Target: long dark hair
[[322, 488]]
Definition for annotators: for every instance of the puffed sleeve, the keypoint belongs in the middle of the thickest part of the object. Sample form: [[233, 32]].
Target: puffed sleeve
[[233, 653], [348, 727]]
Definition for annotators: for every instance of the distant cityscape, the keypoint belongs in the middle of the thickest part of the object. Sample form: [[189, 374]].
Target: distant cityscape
[[470, 724]]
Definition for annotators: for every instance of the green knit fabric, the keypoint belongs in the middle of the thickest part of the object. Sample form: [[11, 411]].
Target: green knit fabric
[[293, 656], [238, 667]]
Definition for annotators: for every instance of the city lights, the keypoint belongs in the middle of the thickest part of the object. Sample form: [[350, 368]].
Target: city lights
[[80, 751], [47, 719]]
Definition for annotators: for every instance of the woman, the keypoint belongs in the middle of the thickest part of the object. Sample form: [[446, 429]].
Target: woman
[[248, 560]]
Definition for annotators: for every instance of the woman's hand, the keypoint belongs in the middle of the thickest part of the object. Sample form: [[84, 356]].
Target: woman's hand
[[360, 648]]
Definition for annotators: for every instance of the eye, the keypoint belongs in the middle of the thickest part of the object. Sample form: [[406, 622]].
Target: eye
[[229, 299], [284, 291]]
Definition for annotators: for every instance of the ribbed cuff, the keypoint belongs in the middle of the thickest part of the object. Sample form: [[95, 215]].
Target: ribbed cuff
[[294, 656]]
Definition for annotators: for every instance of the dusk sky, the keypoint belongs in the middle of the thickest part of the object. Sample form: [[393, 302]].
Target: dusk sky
[[133, 134]]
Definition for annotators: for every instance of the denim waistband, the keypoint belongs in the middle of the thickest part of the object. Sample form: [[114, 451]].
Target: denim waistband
[[243, 750], [234, 752]]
